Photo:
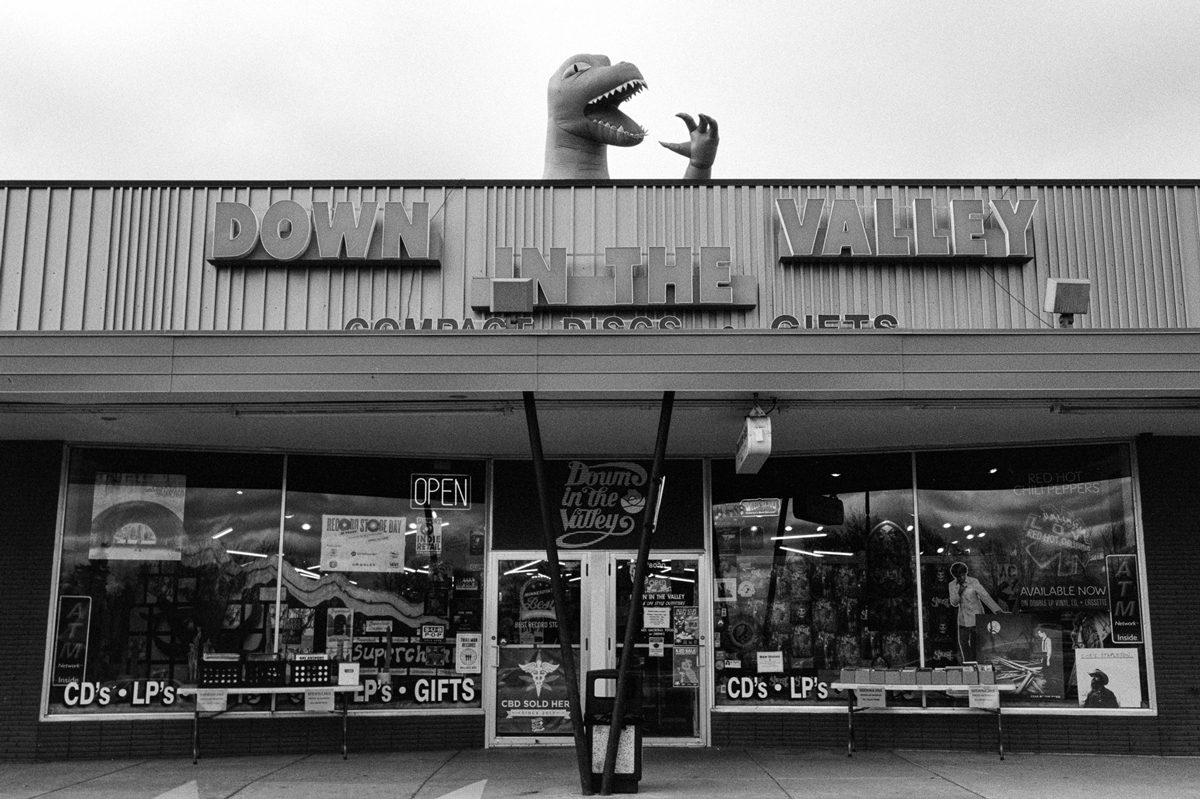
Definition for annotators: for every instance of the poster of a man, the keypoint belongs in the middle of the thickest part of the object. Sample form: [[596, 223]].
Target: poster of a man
[[1099, 695], [1048, 653], [1109, 677], [971, 598]]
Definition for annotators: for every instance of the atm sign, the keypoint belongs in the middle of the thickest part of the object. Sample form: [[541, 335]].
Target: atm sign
[[440, 491]]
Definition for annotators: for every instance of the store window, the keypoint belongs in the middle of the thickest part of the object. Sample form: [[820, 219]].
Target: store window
[[170, 565], [384, 567], [1031, 567], [814, 571], [165, 556], [1023, 561]]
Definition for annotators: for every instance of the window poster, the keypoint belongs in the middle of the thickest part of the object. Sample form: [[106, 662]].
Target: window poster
[[339, 626], [687, 624], [770, 662], [1022, 651], [429, 537], [531, 693], [656, 618], [468, 654], [71, 639], [683, 673], [362, 543], [137, 516], [1109, 678]]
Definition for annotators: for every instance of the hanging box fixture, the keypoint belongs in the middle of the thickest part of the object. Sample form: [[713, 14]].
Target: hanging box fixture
[[754, 445]]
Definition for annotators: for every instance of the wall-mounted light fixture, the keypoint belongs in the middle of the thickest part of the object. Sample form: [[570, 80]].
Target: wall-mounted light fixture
[[1066, 297], [754, 444]]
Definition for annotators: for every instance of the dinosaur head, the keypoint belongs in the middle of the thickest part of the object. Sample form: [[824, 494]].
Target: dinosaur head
[[584, 95]]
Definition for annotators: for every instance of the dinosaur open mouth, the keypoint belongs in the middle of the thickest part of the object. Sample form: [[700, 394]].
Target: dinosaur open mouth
[[613, 126]]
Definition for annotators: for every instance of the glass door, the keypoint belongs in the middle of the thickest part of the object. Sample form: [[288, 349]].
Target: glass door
[[528, 702], [526, 695], [669, 650]]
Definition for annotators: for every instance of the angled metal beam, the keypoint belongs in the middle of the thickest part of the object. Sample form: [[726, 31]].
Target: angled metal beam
[[550, 532], [633, 621]]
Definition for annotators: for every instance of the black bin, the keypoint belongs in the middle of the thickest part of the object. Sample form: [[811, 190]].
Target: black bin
[[597, 721]]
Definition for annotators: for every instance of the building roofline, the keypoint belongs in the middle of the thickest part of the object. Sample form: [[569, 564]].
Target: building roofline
[[724, 182]]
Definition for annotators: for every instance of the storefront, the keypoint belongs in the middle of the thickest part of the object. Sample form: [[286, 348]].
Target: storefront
[[261, 430]]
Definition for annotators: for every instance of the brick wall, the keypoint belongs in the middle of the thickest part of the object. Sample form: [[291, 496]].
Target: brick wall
[[29, 477]]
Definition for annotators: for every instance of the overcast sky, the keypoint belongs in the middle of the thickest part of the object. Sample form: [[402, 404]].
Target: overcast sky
[[447, 89]]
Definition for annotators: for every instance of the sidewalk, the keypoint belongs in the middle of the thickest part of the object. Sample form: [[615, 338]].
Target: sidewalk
[[762, 773]]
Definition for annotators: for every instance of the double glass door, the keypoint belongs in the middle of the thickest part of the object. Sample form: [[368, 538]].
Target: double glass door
[[528, 696]]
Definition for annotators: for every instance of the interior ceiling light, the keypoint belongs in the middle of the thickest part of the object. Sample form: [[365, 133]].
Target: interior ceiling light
[[803, 552], [524, 569], [247, 554]]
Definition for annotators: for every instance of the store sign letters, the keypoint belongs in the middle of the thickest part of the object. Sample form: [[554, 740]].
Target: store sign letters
[[440, 491], [71, 639], [601, 501], [1124, 603], [138, 693], [659, 276], [383, 234], [803, 686], [830, 229]]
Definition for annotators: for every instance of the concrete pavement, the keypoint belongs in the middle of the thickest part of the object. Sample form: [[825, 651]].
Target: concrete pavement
[[756, 773]]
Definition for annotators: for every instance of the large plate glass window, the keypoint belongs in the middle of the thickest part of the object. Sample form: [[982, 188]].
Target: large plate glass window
[[170, 576], [166, 557], [814, 572], [1031, 566], [383, 566]]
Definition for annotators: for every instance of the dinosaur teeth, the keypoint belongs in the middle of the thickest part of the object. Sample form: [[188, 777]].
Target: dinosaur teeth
[[623, 92]]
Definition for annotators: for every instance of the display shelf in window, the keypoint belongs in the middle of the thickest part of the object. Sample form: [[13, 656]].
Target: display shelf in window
[[312, 670], [264, 670], [220, 670]]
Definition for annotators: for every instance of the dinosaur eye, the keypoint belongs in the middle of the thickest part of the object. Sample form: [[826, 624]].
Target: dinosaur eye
[[575, 68]]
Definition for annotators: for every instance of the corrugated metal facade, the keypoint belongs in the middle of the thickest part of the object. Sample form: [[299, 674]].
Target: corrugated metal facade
[[133, 258]]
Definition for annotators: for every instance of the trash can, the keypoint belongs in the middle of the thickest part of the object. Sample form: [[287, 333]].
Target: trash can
[[597, 720]]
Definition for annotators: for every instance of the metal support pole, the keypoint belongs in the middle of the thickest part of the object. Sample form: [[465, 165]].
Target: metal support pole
[[550, 532], [633, 621]]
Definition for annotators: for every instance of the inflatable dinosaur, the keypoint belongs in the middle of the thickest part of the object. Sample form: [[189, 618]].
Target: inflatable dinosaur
[[583, 119]]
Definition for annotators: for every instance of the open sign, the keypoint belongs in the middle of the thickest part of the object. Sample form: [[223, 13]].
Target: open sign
[[440, 491]]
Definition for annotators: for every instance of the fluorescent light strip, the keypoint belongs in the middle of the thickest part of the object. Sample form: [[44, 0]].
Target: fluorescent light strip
[[803, 552], [305, 573], [798, 535], [224, 532], [679, 579], [828, 552], [521, 569], [247, 554]]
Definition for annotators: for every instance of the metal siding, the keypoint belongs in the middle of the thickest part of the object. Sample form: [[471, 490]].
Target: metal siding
[[904, 366], [133, 258]]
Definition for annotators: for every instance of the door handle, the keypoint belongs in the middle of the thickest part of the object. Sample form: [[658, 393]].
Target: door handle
[[493, 656]]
